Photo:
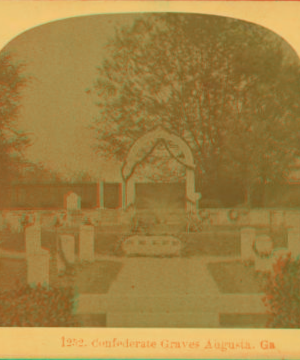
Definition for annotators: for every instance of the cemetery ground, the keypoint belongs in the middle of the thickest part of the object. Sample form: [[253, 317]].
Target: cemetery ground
[[209, 264]]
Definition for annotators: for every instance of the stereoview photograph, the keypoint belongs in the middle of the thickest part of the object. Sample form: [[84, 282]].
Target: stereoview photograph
[[150, 174]]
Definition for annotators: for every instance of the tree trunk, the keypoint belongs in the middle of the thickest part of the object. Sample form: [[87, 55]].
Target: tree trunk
[[248, 195], [263, 194]]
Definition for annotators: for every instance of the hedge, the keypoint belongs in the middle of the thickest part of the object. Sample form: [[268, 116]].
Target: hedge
[[282, 294], [38, 306]]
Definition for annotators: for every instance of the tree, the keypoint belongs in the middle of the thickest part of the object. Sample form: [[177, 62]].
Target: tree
[[12, 140], [37, 173], [262, 141], [282, 294], [81, 177], [215, 82]]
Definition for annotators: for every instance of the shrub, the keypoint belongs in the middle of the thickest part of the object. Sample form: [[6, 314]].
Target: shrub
[[282, 294], [39, 306]]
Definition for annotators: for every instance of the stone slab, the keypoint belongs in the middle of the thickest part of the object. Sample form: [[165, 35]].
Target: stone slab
[[33, 239], [152, 245]]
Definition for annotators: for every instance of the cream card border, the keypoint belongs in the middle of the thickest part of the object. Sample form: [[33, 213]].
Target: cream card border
[[281, 17]]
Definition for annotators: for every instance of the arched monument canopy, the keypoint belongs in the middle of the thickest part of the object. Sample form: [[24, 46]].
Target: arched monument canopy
[[147, 143], [143, 147]]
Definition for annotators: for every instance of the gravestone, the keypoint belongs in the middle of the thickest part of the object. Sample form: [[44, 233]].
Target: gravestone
[[294, 241], [73, 202], [263, 244], [38, 268], [86, 242], [152, 245], [33, 239], [247, 240], [68, 248]]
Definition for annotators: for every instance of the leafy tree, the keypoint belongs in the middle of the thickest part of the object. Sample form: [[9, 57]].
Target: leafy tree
[[283, 294], [37, 173], [12, 140], [81, 177], [262, 141], [215, 82]]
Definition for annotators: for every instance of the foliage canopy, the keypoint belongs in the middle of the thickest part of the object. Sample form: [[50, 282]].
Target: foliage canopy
[[227, 87]]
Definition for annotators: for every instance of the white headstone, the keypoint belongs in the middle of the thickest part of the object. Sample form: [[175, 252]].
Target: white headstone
[[38, 268], [247, 240], [263, 244], [68, 247], [33, 239], [73, 202], [86, 243], [294, 241]]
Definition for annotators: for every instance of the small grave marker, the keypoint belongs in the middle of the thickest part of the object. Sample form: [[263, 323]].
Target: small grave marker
[[73, 202], [86, 242], [33, 239], [68, 248]]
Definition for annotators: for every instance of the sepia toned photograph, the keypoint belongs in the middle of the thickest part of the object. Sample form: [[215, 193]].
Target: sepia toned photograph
[[150, 174]]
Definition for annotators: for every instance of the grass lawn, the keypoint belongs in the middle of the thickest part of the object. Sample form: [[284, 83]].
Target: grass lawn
[[107, 243], [95, 278], [212, 243], [233, 277]]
